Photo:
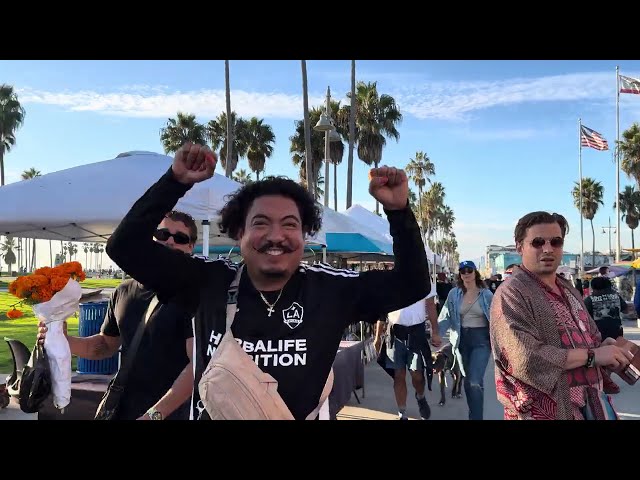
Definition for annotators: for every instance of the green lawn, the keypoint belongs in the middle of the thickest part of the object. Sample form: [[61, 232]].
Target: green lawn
[[24, 329], [101, 283]]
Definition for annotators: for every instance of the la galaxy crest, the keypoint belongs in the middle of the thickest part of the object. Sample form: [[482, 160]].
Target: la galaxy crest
[[292, 316]]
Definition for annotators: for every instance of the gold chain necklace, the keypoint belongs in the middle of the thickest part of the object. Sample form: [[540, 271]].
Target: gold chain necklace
[[270, 306]]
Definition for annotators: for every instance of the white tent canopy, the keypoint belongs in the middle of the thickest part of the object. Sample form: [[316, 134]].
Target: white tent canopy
[[86, 203], [369, 220], [335, 222]]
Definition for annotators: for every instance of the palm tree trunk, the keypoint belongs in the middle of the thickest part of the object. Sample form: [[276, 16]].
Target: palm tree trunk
[[311, 185], [335, 187], [377, 204], [352, 134], [33, 255], [593, 252], [633, 247], [420, 211], [228, 170], [50, 255], [1, 166]]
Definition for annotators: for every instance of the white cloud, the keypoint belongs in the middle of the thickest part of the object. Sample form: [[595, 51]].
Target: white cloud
[[444, 100], [158, 102], [455, 100]]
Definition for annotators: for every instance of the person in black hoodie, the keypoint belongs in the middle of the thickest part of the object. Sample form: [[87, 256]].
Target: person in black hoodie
[[290, 316]]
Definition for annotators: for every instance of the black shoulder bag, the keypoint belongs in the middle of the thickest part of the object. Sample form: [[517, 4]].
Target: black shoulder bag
[[108, 407]]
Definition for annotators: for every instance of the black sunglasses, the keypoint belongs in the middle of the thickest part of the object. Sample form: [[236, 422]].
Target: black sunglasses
[[163, 235], [555, 242], [466, 270]]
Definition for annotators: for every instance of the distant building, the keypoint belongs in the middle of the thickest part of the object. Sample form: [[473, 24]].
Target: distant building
[[498, 258]]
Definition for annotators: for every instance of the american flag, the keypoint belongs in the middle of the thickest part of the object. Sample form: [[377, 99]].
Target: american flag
[[591, 138], [629, 85]]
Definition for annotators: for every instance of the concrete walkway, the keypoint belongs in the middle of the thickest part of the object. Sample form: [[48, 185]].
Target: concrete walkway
[[379, 403]]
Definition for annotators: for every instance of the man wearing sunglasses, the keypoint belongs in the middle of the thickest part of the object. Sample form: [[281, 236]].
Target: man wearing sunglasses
[[160, 379], [289, 316], [550, 360]]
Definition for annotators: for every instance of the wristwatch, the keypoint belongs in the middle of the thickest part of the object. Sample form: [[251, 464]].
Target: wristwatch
[[591, 358], [154, 414]]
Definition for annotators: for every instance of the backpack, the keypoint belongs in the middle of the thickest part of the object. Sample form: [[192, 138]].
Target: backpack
[[233, 387], [35, 381]]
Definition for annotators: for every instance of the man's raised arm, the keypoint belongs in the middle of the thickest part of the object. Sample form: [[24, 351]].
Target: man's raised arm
[[168, 272]]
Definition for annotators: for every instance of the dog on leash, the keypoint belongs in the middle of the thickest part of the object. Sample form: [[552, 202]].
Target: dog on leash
[[445, 361]]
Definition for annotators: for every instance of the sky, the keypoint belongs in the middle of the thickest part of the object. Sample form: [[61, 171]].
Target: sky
[[503, 135]]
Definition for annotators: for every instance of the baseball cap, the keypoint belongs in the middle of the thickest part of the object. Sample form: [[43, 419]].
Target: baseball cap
[[467, 264]]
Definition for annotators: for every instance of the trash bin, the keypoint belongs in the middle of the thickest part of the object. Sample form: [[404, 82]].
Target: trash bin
[[91, 317]]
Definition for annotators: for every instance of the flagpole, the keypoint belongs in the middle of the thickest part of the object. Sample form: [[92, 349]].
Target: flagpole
[[580, 202], [617, 154]]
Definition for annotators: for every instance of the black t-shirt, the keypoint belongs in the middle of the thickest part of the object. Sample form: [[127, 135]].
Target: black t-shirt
[[162, 352], [606, 304], [294, 343], [492, 284], [443, 289]]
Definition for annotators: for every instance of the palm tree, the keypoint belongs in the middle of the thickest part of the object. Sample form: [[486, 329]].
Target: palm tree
[[319, 185], [412, 203], [629, 150], [260, 140], [11, 118], [336, 152], [419, 170], [28, 175], [307, 129], [592, 192], [228, 170], [217, 133], [376, 118], [86, 247], [181, 130], [7, 249], [316, 146], [352, 134], [31, 173], [630, 209], [73, 250], [242, 177], [432, 204]]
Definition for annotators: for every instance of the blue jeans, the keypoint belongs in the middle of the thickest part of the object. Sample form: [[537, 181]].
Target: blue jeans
[[475, 349]]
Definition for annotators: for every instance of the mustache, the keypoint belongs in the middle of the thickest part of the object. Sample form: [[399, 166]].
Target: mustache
[[279, 246]]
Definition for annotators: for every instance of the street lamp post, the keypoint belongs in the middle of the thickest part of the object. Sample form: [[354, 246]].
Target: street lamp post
[[614, 231], [325, 124]]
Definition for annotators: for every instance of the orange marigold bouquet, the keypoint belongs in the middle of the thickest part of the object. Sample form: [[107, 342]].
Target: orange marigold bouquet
[[43, 284], [54, 294]]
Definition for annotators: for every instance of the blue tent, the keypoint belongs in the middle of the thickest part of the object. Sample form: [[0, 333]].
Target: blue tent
[[336, 243]]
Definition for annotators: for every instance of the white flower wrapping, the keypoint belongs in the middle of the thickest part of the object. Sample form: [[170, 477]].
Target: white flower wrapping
[[54, 312]]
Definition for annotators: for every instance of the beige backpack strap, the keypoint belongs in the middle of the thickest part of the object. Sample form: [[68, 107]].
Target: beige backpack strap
[[150, 309], [232, 298], [324, 396]]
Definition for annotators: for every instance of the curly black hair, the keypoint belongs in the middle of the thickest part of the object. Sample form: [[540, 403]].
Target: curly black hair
[[234, 213]]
